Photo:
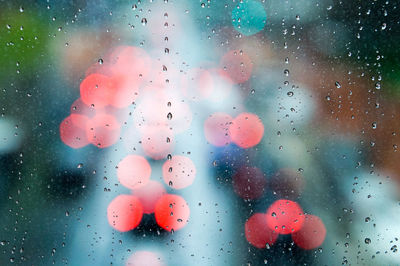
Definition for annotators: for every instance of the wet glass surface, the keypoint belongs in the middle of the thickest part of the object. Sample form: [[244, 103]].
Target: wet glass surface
[[244, 132]]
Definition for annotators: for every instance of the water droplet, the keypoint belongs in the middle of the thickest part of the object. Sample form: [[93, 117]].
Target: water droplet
[[286, 72], [337, 84], [144, 21], [367, 241], [169, 116]]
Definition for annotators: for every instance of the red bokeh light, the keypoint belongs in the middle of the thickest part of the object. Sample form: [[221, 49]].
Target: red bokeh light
[[124, 213], [130, 61], [257, 231], [179, 172], [157, 141], [73, 131], [216, 129], [285, 216], [123, 72], [172, 212], [238, 65], [149, 194], [103, 130], [249, 182], [246, 130], [312, 233], [134, 171], [287, 183], [97, 90]]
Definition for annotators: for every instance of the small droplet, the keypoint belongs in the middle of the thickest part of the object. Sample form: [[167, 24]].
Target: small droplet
[[367, 241], [286, 72]]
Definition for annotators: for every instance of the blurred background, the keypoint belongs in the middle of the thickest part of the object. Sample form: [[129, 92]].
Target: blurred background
[[229, 108]]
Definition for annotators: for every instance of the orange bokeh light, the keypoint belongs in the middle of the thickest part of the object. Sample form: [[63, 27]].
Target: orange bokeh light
[[134, 171], [172, 212], [124, 213]]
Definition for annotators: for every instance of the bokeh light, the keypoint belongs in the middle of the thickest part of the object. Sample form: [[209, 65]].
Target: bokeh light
[[145, 258], [103, 130], [73, 131], [179, 172], [80, 108], [172, 212], [134, 171], [222, 86], [312, 233], [216, 129], [157, 141], [238, 65], [246, 130], [197, 84], [249, 17], [285, 216], [149, 194], [124, 213], [257, 231], [97, 90], [130, 61], [249, 182], [161, 107], [287, 183]]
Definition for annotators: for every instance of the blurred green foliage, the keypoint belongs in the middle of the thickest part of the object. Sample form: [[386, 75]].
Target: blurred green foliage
[[23, 39]]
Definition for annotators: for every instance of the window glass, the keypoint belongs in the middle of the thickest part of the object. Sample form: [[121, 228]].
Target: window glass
[[229, 132]]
